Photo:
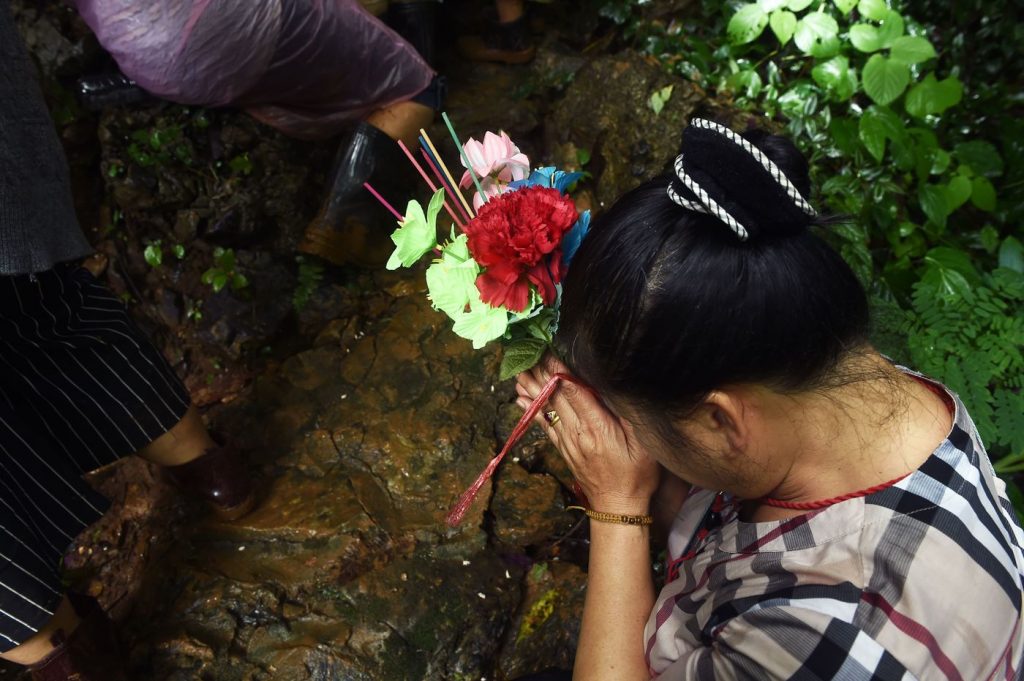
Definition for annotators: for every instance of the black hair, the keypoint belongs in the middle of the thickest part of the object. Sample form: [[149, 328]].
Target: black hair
[[663, 305]]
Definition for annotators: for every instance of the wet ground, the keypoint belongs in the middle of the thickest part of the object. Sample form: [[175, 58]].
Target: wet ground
[[362, 416]]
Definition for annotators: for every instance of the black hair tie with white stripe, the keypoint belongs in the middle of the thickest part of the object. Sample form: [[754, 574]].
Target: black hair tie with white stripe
[[726, 176]]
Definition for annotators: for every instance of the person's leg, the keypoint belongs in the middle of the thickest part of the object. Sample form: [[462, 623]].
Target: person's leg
[[40, 645], [186, 441], [506, 41], [510, 10]]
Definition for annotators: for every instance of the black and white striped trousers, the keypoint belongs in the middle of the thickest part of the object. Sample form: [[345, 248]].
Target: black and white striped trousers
[[80, 387]]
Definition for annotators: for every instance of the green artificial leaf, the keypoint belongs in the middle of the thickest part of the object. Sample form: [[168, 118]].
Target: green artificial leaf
[[1011, 255], [935, 203], [845, 6], [864, 37], [816, 34], [798, 5], [958, 191], [417, 233], [932, 97], [884, 79], [911, 50], [153, 254], [783, 23], [451, 280], [660, 97], [877, 125], [983, 194], [836, 76], [890, 29], [980, 156], [872, 9], [481, 324], [748, 23], [521, 355]]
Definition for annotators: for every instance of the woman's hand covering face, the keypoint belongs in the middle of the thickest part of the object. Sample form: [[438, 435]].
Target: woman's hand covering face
[[615, 473]]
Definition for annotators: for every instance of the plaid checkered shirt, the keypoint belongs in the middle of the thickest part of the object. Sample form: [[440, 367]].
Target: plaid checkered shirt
[[922, 580]]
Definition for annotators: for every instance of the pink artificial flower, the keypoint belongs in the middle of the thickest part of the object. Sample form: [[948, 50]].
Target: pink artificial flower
[[496, 157], [491, 189]]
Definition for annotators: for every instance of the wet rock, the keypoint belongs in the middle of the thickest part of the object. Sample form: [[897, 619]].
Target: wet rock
[[545, 630], [528, 508], [606, 111]]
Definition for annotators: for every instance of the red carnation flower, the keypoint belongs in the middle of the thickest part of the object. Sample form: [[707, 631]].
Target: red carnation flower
[[512, 237]]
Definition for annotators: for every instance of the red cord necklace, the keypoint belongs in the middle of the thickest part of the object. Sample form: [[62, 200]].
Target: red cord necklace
[[825, 503]]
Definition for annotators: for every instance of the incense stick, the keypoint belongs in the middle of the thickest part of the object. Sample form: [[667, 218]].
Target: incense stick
[[432, 164], [423, 174], [383, 202], [465, 158], [440, 162]]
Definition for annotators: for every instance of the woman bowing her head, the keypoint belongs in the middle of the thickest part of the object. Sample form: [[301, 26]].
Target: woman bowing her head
[[831, 515]]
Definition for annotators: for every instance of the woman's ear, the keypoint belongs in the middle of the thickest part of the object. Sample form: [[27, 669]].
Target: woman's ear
[[724, 421]]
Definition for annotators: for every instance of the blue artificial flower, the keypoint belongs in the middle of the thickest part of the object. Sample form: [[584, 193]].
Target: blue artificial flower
[[548, 177], [574, 237]]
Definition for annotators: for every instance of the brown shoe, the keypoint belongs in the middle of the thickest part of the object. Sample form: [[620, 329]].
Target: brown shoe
[[91, 652], [218, 478], [505, 43]]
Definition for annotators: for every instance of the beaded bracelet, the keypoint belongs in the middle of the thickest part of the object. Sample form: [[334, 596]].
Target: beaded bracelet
[[619, 518]]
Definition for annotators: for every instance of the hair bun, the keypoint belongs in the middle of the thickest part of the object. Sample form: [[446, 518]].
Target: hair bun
[[728, 176]]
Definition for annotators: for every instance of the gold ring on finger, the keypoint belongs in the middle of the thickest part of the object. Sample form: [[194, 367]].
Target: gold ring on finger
[[552, 417]]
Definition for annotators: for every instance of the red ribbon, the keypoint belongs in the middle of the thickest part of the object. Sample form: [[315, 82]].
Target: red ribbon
[[459, 510]]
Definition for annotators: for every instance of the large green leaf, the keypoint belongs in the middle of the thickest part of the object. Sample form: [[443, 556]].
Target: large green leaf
[[783, 23], [890, 29], [836, 76], [845, 6], [911, 50], [864, 37], [884, 79], [771, 5], [878, 124], [932, 97], [521, 355], [748, 23], [983, 194], [1011, 254], [817, 34], [934, 203], [798, 5], [872, 9], [957, 192], [980, 156]]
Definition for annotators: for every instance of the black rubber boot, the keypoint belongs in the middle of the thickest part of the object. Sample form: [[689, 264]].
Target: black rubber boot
[[351, 226], [104, 90]]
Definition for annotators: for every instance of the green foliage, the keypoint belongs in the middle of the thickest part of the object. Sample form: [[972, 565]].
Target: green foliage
[[912, 131], [659, 98], [311, 273], [223, 272], [153, 253], [968, 328], [160, 146]]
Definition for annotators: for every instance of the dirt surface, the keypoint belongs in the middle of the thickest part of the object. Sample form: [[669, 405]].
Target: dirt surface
[[362, 416]]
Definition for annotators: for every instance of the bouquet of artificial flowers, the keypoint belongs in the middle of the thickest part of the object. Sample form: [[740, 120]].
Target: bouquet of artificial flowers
[[498, 274]]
